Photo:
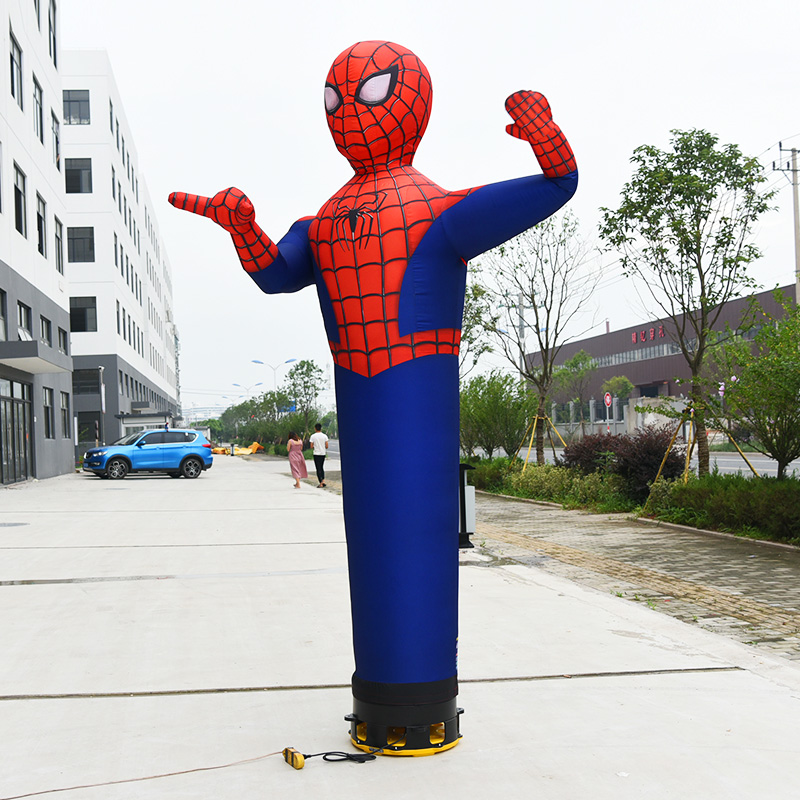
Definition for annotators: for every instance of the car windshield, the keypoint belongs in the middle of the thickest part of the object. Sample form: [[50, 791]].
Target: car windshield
[[129, 439]]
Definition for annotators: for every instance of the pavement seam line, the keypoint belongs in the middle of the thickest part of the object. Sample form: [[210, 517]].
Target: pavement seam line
[[332, 686]]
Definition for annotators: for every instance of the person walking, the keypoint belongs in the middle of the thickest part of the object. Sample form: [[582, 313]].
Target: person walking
[[296, 461], [319, 441]]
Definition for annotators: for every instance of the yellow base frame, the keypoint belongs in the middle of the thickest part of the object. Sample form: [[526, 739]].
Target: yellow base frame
[[426, 751]]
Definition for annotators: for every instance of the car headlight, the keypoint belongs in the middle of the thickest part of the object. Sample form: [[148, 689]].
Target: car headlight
[[99, 453]]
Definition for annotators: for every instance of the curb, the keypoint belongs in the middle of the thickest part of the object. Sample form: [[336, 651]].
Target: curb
[[652, 522], [719, 534]]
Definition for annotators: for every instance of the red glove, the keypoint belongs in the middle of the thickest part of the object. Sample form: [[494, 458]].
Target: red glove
[[232, 210], [533, 122]]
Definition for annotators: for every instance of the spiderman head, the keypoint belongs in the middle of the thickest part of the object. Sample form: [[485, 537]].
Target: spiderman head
[[378, 100]]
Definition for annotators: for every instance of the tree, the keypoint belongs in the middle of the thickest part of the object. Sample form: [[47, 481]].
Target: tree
[[479, 318], [495, 409], [542, 271], [762, 387], [573, 378], [303, 383], [683, 228], [619, 386]]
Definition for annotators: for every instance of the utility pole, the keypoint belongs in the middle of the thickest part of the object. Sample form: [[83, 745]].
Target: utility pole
[[791, 168]]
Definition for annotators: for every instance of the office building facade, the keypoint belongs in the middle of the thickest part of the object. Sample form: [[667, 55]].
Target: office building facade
[[88, 344]]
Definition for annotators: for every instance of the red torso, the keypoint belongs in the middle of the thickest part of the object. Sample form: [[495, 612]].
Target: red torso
[[362, 240]]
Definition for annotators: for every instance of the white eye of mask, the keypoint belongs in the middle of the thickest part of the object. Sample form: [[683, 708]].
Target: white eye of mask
[[332, 99], [376, 89]]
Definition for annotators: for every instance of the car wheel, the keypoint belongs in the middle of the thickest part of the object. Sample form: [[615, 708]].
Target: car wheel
[[191, 468], [117, 469]]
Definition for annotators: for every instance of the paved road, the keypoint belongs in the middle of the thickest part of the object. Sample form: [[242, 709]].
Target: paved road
[[166, 639], [742, 589], [726, 463]]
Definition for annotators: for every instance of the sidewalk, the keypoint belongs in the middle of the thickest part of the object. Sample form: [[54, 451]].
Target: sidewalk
[[154, 626]]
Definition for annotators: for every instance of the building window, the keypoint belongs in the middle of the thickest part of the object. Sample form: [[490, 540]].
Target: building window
[[3, 329], [76, 107], [41, 225], [45, 331], [24, 322], [113, 183], [80, 244], [38, 14], [63, 341], [16, 70], [49, 414], [59, 245], [38, 110], [56, 141], [111, 114], [20, 202], [78, 175], [65, 420], [86, 381], [83, 314], [52, 37]]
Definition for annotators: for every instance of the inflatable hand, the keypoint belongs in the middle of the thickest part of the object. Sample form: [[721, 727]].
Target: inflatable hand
[[232, 210], [533, 122], [229, 208]]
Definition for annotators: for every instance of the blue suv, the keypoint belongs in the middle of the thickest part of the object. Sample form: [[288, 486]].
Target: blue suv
[[176, 452]]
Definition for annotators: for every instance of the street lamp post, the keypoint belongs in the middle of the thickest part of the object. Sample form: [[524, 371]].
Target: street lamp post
[[274, 369], [247, 388]]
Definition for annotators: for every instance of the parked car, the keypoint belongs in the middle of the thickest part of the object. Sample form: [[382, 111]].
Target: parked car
[[176, 452]]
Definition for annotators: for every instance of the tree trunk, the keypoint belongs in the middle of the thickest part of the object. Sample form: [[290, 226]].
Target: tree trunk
[[540, 426], [701, 437]]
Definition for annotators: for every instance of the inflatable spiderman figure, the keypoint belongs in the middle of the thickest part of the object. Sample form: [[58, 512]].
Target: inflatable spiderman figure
[[388, 255]]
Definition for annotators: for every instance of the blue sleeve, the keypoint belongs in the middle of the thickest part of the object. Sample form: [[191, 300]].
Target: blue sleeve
[[293, 269], [498, 212]]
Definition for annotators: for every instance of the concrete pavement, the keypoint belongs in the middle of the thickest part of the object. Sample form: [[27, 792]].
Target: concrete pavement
[[154, 626]]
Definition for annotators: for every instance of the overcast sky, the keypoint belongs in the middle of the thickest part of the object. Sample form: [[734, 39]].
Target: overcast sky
[[220, 94]]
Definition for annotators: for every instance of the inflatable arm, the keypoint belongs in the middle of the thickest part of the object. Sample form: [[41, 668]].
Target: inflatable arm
[[286, 267], [495, 213]]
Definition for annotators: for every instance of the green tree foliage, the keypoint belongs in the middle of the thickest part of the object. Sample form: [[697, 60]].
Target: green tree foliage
[[683, 228], [619, 386], [762, 383], [540, 282], [495, 409], [479, 319], [304, 381], [573, 378]]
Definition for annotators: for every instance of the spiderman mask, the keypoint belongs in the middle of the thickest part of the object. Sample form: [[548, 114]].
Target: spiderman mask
[[378, 101]]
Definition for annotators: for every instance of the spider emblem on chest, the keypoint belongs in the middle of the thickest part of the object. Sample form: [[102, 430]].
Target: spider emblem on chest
[[355, 219]]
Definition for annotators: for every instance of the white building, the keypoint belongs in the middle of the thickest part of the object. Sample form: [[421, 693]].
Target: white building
[[119, 275], [88, 343], [36, 431]]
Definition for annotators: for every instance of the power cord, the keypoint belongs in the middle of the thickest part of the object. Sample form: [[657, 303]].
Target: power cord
[[294, 758]]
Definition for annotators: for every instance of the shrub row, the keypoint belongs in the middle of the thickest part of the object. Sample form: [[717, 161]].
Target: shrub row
[[758, 507], [635, 458]]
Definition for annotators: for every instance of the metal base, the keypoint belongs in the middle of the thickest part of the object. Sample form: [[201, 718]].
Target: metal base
[[405, 730]]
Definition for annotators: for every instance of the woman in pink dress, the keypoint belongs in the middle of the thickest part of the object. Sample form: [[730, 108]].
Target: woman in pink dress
[[296, 460]]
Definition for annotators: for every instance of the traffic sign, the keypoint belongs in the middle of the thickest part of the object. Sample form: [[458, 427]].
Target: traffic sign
[[607, 399]]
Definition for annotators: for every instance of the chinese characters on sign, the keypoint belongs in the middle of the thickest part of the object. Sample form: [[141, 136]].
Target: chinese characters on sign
[[648, 335]]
